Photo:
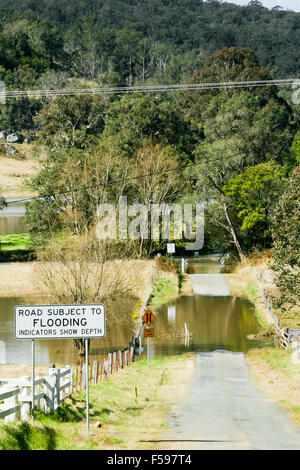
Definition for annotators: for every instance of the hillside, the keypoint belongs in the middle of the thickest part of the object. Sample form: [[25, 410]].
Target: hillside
[[154, 38]]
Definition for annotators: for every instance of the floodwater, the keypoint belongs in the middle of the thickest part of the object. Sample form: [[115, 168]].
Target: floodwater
[[12, 218], [207, 264], [213, 322]]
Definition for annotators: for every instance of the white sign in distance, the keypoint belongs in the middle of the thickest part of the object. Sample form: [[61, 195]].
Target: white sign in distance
[[170, 247], [59, 321]]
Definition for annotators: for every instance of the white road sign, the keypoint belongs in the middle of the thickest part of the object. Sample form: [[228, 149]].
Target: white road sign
[[59, 321], [170, 247]]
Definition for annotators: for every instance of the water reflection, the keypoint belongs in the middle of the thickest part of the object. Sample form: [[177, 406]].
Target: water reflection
[[10, 225], [213, 323], [12, 219], [207, 265]]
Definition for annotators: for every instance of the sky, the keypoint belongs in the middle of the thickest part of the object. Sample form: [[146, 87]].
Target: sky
[[286, 4]]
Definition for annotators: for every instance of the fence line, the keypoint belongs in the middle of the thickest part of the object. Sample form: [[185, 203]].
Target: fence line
[[286, 337], [101, 369], [49, 392]]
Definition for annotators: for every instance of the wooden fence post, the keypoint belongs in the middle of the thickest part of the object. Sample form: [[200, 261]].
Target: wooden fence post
[[9, 403], [131, 353], [94, 372], [80, 378], [53, 372], [110, 363], [49, 393], [91, 373], [120, 360], [38, 389], [25, 399]]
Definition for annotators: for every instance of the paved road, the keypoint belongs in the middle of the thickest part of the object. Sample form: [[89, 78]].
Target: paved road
[[224, 410], [209, 284]]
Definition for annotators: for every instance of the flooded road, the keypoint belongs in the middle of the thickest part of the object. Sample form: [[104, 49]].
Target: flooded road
[[223, 409], [213, 323]]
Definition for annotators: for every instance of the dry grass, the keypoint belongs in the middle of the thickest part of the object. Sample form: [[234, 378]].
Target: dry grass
[[244, 282], [16, 280], [276, 375], [23, 279], [20, 370], [14, 171]]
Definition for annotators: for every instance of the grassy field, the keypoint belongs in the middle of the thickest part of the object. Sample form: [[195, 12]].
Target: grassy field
[[165, 288], [15, 171], [16, 241], [118, 420]]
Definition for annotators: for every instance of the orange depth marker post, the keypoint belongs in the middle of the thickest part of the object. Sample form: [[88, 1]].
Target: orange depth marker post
[[148, 318]]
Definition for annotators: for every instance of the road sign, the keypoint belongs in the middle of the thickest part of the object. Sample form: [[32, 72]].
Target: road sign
[[59, 321], [149, 332], [148, 317], [170, 247]]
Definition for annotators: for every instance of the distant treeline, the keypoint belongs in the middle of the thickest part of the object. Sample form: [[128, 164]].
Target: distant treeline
[[128, 41]]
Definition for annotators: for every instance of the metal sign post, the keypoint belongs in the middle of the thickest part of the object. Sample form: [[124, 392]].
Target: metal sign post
[[183, 263], [33, 376], [87, 385], [148, 333]]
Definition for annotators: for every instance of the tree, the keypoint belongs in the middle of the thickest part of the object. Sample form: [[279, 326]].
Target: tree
[[134, 118], [160, 187], [240, 132], [296, 147], [129, 42], [70, 122], [242, 124], [253, 195], [286, 249], [73, 270], [226, 65]]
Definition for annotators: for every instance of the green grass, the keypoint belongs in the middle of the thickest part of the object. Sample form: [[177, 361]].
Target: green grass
[[165, 288], [25, 436], [280, 359], [16, 241], [253, 295], [117, 420]]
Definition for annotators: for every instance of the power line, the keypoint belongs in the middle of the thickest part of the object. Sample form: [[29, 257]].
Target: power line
[[123, 180], [146, 88]]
